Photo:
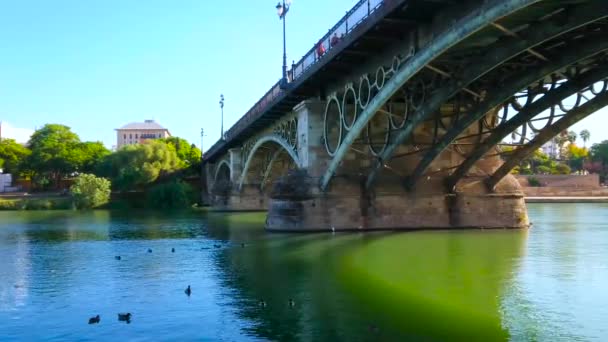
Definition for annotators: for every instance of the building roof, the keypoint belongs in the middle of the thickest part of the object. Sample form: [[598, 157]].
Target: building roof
[[146, 125]]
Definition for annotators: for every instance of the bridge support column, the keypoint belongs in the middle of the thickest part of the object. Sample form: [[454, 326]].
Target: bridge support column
[[350, 205]]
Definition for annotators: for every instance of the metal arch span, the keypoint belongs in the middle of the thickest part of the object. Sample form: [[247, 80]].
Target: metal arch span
[[270, 138], [527, 113], [219, 167], [547, 134], [468, 25], [507, 90], [502, 51]]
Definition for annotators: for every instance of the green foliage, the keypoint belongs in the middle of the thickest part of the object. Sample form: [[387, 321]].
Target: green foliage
[[533, 181], [91, 155], [89, 191], [54, 203], [599, 152], [12, 155], [543, 170], [561, 169], [186, 152], [54, 151], [172, 195], [134, 166], [585, 135]]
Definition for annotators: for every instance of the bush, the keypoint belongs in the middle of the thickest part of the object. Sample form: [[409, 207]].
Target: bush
[[562, 169], [173, 195], [533, 181], [36, 204], [90, 191]]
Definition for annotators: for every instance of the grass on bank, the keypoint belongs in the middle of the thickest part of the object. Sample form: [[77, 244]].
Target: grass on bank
[[57, 203]]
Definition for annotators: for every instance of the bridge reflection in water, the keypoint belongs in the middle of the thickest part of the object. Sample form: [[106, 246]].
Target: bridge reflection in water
[[421, 285]]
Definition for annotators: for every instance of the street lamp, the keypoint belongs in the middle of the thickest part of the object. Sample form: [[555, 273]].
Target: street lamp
[[282, 9], [222, 108], [202, 136]]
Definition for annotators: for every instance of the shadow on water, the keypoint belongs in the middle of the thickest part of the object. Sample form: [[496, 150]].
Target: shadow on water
[[416, 286]]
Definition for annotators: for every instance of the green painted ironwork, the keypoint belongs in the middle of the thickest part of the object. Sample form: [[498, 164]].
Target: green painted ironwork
[[501, 52], [545, 135], [548, 100], [486, 14]]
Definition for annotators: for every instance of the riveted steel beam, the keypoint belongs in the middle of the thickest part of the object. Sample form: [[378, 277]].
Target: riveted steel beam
[[273, 139], [489, 12], [506, 90], [268, 169], [525, 114], [545, 135], [500, 53]]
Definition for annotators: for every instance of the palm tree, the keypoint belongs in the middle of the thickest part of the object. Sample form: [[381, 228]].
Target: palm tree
[[585, 135]]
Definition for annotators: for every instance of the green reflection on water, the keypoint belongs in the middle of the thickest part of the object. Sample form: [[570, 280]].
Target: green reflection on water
[[421, 285], [444, 285]]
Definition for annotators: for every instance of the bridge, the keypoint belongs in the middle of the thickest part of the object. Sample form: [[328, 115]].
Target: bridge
[[416, 116]]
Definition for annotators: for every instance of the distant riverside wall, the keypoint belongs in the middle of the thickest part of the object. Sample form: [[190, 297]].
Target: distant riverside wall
[[563, 186]]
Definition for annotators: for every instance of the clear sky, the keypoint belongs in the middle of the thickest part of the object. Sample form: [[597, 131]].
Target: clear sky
[[96, 65]]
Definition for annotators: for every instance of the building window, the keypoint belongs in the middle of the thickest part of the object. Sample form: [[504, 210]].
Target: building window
[[130, 136], [125, 137], [135, 135]]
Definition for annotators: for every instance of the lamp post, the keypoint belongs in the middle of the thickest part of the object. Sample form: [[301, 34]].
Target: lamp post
[[202, 136], [282, 9], [222, 109]]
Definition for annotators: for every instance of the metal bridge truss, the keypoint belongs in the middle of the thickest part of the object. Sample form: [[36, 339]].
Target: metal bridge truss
[[539, 74]]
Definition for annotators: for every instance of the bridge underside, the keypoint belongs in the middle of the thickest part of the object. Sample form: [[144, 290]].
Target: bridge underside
[[428, 138]]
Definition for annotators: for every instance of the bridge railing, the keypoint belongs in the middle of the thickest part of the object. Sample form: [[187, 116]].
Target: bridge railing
[[353, 18], [349, 22]]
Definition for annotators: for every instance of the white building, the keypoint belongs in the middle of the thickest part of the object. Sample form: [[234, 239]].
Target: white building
[[137, 132]]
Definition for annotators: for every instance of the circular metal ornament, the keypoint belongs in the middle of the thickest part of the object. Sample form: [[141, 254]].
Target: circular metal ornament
[[326, 131], [345, 112]]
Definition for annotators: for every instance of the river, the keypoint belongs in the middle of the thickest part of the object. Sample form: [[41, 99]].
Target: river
[[58, 269]]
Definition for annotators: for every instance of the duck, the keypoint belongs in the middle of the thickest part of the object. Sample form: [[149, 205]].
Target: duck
[[149, 250], [217, 246], [292, 303], [262, 303], [118, 257], [94, 320], [242, 245], [172, 250], [124, 317], [188, 291]]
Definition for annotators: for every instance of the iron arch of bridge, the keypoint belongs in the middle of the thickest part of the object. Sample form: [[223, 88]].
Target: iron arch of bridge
[[282, 147], [502, 51], [507, 89], [222, 164], [551, 98]]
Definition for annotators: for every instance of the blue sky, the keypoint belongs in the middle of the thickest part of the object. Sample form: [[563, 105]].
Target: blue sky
[[97, 65]]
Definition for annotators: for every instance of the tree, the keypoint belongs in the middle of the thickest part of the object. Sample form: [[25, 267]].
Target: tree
[[134, 166], [12, 155], [571, 136], [599, 152], [173, 195], [90, 191], [585, 135], [92, 153], [55, 152], [186, 152], [576, 156]]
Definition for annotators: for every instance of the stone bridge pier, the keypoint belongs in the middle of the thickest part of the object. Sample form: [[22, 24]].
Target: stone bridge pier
[[348, 204]]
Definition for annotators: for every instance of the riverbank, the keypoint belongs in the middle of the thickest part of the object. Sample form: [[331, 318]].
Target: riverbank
[[43, 203]]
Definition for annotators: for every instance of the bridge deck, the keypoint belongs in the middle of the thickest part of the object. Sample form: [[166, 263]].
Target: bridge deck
[[367, 27]]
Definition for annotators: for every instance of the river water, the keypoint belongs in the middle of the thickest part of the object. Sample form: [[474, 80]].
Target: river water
[[58, 269]]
